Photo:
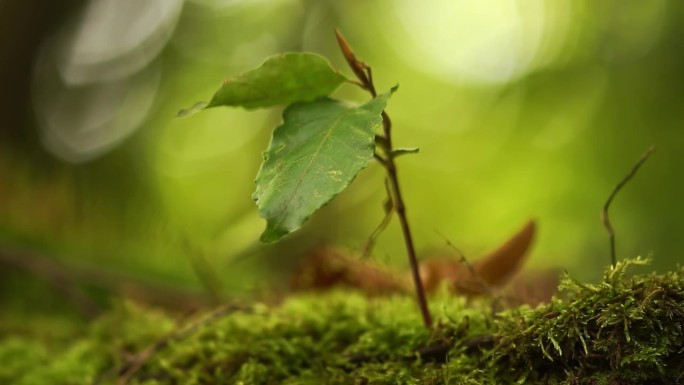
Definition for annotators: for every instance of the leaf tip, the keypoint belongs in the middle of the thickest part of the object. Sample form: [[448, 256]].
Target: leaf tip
[[266, 238], [388, 94], [272, 235]]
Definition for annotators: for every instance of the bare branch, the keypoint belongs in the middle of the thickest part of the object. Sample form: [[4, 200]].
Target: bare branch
[[604, 213]]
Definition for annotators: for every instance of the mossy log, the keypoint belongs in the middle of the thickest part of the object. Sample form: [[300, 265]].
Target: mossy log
[[623, 330]]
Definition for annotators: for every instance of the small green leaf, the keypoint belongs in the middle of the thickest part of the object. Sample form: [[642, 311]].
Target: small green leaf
[[313, 156], [404, 150], [281, 79]]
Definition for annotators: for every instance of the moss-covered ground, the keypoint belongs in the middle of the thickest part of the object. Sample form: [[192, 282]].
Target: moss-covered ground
[[623, 330]]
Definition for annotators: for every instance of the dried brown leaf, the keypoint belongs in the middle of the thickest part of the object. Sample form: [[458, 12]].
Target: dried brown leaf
[[499, 266], [326, 267]]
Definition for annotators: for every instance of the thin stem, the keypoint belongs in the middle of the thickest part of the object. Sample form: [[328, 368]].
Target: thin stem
[[400, 208], [365, 75], [616, 189], [380, 139], [380, 159]]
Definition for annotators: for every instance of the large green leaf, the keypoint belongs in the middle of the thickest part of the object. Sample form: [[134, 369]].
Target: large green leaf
[[313, 156], [282, 79]]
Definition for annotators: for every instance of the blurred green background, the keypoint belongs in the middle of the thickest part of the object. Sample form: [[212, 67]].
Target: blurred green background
[[521, 109]]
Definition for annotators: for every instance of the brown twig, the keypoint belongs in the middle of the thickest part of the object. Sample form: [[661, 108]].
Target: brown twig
[[604, 213], [365, 76]]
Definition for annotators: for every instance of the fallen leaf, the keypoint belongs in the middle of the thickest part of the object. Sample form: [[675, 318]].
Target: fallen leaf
[[499, 266], [327, 267]]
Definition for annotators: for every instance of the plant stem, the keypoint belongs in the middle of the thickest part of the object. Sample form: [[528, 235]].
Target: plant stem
[[365, 76], [400, 208]]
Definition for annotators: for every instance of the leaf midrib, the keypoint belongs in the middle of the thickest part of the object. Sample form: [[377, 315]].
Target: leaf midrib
[[268, 95], [280, 215]]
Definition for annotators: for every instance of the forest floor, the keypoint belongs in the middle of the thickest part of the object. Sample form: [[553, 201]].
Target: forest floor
[[623, 330]]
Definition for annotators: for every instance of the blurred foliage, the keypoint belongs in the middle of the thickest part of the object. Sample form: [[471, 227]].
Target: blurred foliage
[[520, 108]]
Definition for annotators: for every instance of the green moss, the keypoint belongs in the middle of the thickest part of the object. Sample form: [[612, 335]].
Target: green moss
[[620, 331], [124, 331]]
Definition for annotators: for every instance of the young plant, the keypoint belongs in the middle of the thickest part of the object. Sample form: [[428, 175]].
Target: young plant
[[322, 143]]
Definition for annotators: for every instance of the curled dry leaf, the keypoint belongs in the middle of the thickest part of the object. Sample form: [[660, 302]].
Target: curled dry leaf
[[501, 264], [327, 267], [488, 273]]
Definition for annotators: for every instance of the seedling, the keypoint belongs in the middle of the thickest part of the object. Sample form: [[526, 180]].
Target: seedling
[[322, 143]]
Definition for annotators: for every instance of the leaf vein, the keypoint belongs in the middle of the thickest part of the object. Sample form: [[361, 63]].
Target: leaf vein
[[284, 208]]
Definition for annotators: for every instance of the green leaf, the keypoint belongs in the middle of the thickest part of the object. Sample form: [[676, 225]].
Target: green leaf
[[313, 156], [404, 150], [283, 79]]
